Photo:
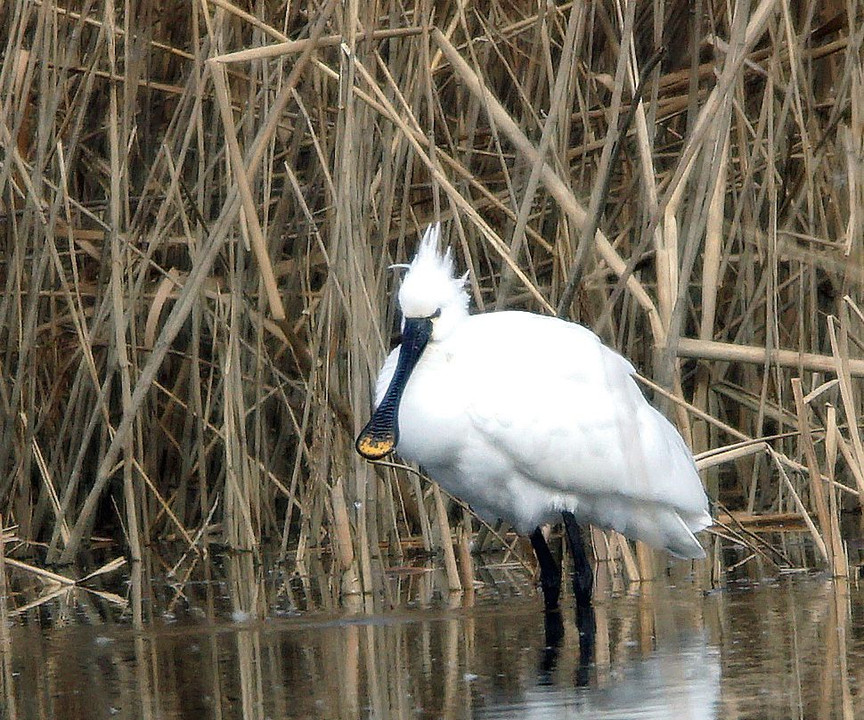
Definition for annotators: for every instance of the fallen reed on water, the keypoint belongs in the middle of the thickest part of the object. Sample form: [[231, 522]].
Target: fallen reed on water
[[201, 201]]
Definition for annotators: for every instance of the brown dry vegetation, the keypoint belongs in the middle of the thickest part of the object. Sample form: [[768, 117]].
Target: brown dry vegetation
[[199, 202]]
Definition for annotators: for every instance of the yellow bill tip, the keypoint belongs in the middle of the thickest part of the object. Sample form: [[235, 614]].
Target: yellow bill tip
[[374, 448]]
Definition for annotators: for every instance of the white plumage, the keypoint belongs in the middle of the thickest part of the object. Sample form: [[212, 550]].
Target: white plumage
[[525, 416]]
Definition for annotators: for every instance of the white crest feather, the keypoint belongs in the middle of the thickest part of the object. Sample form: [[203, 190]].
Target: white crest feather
[[430, 284]]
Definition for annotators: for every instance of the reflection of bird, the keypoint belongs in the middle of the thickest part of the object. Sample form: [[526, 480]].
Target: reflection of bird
[[526, 417], [679, 679]]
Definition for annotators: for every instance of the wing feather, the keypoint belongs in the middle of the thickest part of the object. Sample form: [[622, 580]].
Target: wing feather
[[575, 421]]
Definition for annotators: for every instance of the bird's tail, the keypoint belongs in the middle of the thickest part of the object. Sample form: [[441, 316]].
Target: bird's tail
[[682, 543], [657, 524]]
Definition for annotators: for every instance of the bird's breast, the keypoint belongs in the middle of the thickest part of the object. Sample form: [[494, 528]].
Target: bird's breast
[[432, 415]]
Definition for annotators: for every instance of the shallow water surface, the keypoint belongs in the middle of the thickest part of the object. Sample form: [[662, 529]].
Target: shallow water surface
[[785, 648]]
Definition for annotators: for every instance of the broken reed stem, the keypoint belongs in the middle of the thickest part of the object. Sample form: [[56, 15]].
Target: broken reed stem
[[727, 352], [453, 581], [817, 493], [344, 547], [838, 549], [802, 509]]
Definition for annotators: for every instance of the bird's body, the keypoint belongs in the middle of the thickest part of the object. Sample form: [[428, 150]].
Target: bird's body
[[523, 416], [527, 418]]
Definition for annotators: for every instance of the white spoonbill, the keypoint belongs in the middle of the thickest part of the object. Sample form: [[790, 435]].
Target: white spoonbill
[[529, 418]]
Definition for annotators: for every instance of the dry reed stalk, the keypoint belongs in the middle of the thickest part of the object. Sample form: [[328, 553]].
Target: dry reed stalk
[[52, 492], [352, 586], [710, 286], [287, 47], [842, 363], [802, 509], [840, 616], [466, 561], [838, 548], [342, 528], [716, 457], [117, 193], [454, 583], [48, 595], [259, 246], [727, 352], [41, 573], [817, 492], [242, 507], [6, 674]]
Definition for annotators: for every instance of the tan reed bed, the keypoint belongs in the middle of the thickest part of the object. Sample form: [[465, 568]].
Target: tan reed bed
[[201, 201]]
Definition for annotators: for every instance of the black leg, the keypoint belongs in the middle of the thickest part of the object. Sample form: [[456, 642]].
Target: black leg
[[550, 571], [586, 651], [553, 625], [583, 583], [550, 581], [583, 578]]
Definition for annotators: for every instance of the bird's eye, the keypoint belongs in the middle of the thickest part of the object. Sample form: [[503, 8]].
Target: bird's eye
[[436, 314]]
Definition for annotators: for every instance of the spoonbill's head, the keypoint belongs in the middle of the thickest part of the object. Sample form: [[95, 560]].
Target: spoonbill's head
[[433, 303], [431, 290]]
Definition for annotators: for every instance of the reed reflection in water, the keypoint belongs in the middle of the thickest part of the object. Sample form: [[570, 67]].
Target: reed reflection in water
[[775, 649]]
